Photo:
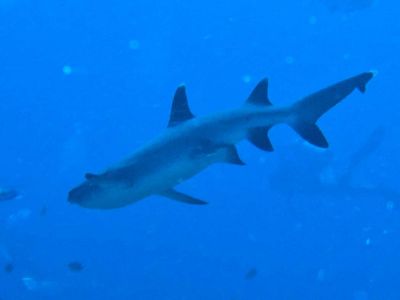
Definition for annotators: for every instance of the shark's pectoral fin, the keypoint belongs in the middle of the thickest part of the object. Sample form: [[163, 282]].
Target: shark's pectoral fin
[[181, 197], [259, 138], [180, 111], [232, 156]]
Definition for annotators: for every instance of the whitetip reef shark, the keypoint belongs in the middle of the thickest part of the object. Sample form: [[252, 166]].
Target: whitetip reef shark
[[190, 144]]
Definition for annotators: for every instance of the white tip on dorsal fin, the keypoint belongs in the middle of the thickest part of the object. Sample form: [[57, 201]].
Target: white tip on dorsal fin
[[259, 95], [180, 111]]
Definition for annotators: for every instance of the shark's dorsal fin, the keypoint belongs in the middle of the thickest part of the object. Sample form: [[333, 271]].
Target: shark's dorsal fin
[[259, 95], [180, 111], [181, 197], [259, 137], [91, 176]]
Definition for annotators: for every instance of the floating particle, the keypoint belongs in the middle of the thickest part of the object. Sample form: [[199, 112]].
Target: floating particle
[[321, 275], [289, 60], [389, 205], [30, 283], [134, 44], [246, 78], [262, 160], [19, 216], [312, 20], [346, 56], [67, 70]]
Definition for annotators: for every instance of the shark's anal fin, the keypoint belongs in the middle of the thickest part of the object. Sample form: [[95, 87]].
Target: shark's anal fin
[[259, 137], [180, 111], [259, 96], [232, 156], [181, 197]]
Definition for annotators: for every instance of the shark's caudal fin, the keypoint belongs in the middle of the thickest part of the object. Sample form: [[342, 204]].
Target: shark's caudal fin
[[308, 110]]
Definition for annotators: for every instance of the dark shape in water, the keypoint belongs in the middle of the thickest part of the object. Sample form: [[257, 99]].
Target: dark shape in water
[[8, 194], [251, 274], [347, 6], [8, 267], [43, 211], [75, 266]]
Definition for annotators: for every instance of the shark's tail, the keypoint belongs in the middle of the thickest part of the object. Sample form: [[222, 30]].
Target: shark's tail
[[307, 111]]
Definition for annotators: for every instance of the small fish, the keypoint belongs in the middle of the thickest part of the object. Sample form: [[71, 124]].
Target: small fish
[[75, 266], [251, 274], [8, 267], [8, 194]]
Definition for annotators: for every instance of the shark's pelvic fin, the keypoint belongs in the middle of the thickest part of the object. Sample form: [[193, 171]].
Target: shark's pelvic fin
[[259, 137], [232, 156], [180, 111], [308, 110], [259, 96], [181, 197]]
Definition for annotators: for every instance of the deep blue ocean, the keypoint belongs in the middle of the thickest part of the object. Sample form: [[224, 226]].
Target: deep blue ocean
[[85, 83]]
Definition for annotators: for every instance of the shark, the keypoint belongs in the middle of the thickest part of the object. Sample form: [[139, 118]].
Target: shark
[[190, 144]]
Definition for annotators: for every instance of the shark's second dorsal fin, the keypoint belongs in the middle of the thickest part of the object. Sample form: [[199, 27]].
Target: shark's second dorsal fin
[[259, 96], [180, 111]]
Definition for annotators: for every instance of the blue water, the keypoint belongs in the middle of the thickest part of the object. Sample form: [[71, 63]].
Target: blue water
[[84, 83]]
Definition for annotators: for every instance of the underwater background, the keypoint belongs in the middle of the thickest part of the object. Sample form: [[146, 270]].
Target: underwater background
[[84, 83]]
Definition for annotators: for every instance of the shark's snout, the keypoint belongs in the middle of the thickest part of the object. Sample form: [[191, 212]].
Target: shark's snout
[[83, 193], [75, 195]]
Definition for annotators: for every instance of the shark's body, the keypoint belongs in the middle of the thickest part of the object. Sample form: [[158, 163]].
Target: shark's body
[[191, 144]]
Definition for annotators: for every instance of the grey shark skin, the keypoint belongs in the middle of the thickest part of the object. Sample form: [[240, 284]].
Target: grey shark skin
[[190, 144]]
